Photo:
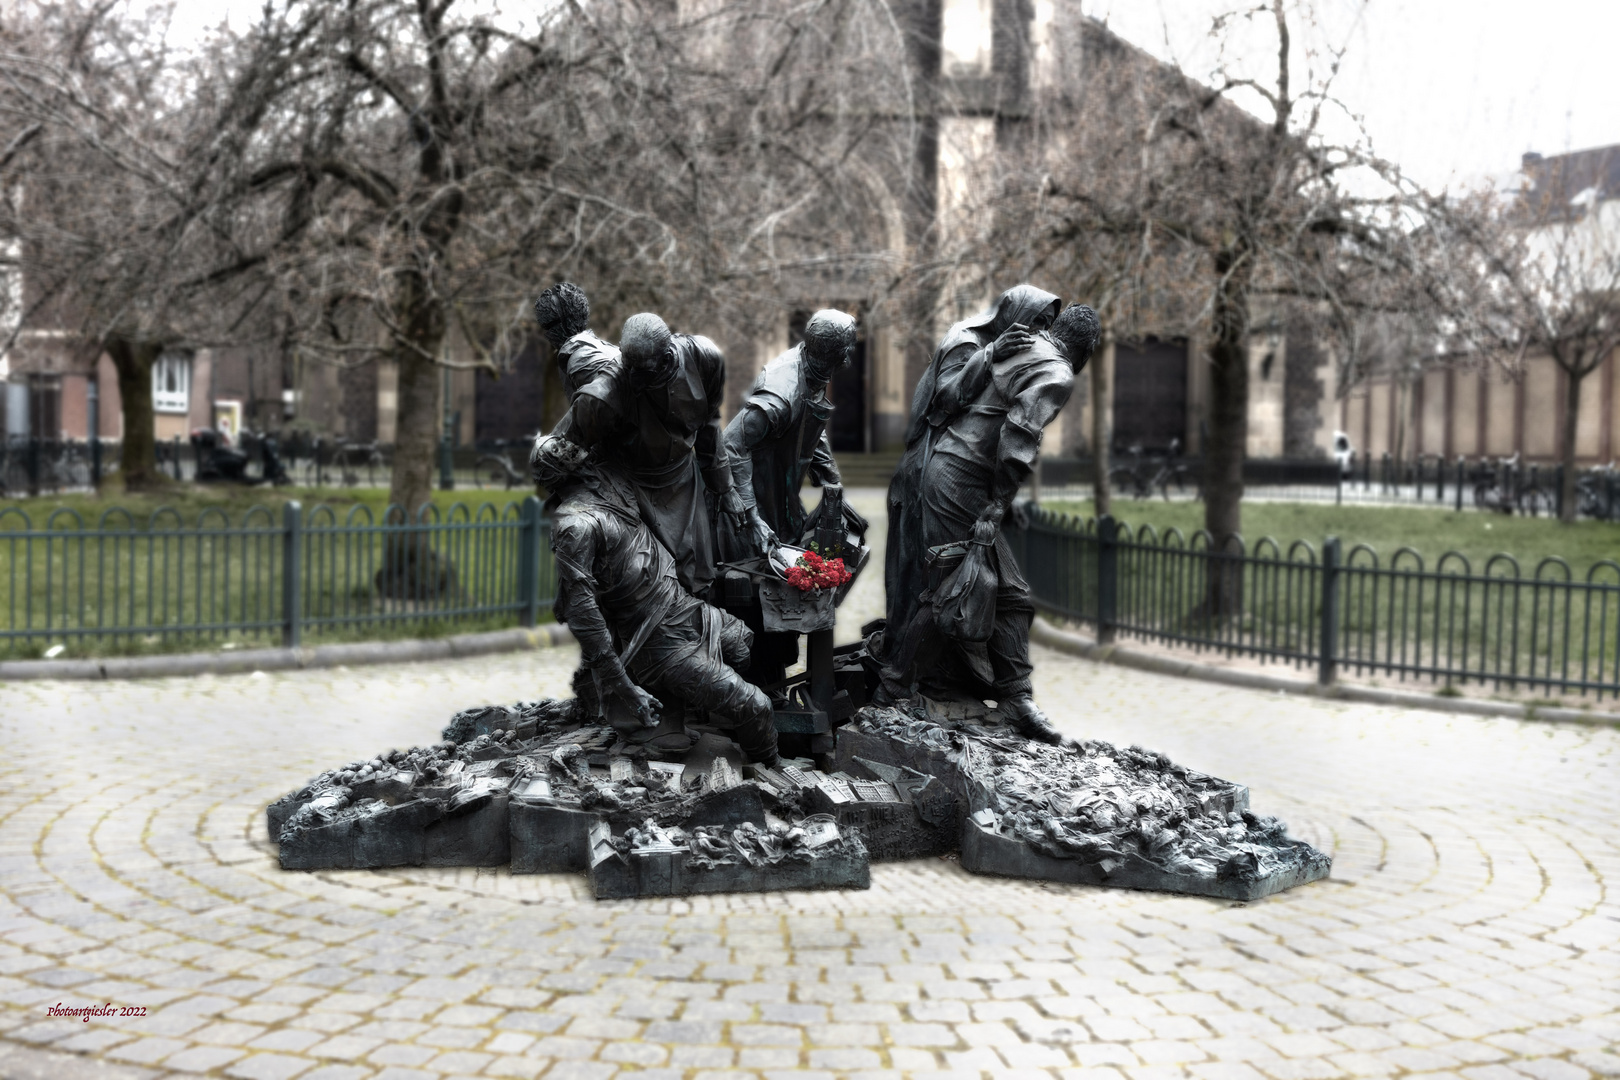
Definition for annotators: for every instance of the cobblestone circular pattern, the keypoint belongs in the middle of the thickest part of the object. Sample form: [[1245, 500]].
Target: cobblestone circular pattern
[[1466, 930]]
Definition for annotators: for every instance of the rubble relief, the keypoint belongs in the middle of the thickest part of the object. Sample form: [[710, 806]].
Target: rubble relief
[[538, 787]]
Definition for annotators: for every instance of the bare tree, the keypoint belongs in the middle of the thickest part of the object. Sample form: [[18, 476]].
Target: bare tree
[[436, 166], [1182, 211], [117, 218], [1089, 174], [1537, 271]]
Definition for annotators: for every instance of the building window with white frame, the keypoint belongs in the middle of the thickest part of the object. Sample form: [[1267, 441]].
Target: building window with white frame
[[171, 383]]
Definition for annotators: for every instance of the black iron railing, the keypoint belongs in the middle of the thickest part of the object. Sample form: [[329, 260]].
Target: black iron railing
[[31, 466], [1497, 485], [159, 582], [34, 466], [1549, 630]]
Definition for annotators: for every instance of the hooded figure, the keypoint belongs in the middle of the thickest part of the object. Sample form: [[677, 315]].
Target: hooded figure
[[942, 393], [977, 451]]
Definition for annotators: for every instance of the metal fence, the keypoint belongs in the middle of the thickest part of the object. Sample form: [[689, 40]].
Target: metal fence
[[34, 466], [1450, 623], [320, 462], [1498, 485], [38, 466], [122, 584]]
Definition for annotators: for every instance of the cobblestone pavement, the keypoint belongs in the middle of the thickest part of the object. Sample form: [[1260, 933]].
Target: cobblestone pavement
[[1466, 930]]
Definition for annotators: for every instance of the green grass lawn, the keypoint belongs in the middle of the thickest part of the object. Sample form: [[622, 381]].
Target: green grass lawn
[[1386, 529], [209, 574], [1490, 628], [191, 500]]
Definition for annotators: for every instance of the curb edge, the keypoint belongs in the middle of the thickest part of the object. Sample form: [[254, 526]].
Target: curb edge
[[356, 653], [1043, 632]]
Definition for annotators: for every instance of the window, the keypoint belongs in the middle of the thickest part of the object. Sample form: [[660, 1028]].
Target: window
[[45, 406], [966, 27], [171, 383]]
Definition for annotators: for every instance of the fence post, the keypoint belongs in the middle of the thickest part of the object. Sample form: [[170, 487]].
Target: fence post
[[1558, 491], [1107, 577], [33, 465], [1328, 640], [93, 406], [292, 559], [1462, 467], [529, 563], [447, 465]]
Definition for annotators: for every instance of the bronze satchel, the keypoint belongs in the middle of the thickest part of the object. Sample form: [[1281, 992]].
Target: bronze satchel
[[962, 590]]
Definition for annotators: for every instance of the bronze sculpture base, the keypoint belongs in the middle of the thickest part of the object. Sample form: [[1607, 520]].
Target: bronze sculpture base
[[537, 786]]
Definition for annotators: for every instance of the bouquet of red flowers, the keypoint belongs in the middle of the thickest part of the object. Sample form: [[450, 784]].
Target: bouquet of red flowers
[[813, 572]]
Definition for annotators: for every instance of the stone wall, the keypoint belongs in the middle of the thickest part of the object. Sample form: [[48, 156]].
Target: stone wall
[[1461, 410]]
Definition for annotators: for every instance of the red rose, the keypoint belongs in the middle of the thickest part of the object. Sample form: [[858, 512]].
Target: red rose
[[813, 572]]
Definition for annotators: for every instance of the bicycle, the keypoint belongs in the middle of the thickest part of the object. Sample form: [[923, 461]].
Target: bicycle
[[69, 467], [350, 457], [1489, 490], [1171, 470], [1532, 499], [1144, 477], [1131, 477], [496, 468], [1597, 493]]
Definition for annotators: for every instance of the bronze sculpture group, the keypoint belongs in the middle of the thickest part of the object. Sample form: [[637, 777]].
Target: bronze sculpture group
[[689, 759], [959, 611]]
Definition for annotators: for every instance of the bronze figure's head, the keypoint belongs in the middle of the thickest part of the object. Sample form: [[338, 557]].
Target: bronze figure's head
[[648, 349], [1076, 332], [829, 344], [563, 311]]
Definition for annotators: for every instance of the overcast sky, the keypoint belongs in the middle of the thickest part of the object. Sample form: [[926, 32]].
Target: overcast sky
[[1453, 90]]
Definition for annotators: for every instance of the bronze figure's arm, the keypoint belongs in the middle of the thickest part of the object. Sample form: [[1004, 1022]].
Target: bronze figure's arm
[[823, 466], [1037, 394], [595, 411], [577, 548], [963, 374], [711, 442], [747, 430]]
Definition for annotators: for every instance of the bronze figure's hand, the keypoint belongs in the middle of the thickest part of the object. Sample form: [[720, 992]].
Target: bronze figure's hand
[[623, 696], [989, 522], [732, 505], [1013, 340], [761, 535]]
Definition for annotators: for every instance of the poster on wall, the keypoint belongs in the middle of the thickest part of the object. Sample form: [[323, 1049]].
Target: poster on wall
[[228, 421]]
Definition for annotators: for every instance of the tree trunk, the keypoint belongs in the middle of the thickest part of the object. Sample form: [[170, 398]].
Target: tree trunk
[[416, 430], [1102, 422], [133, 361], [1228, 433], [412, 570], [1567, 500]]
